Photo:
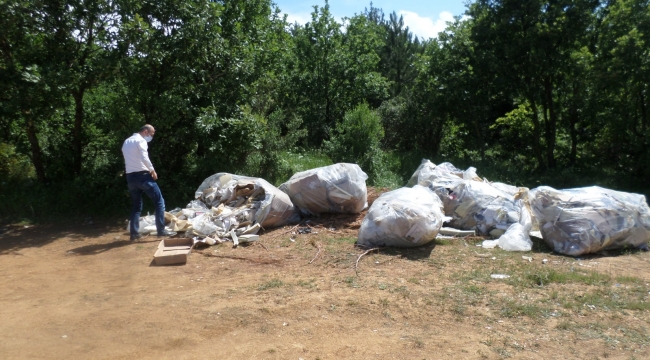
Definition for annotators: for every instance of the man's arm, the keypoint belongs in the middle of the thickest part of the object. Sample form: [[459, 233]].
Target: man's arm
[[145, 159]]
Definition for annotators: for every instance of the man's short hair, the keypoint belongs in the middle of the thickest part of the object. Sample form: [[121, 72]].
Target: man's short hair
[[146, 127]]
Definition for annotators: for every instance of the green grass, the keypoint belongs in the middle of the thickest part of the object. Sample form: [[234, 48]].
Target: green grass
[[544, 277], [274, 283], [306, 160]]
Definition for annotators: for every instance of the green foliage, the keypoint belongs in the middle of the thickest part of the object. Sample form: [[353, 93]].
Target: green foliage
[[357, 139], [530, 92]]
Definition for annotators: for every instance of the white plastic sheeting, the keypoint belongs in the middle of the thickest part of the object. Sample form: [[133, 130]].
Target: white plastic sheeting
[[472, 203], [338, 188], [246, 199], [405, 217], [587, 220]]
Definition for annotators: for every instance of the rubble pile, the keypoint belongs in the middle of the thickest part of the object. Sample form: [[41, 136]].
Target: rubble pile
[[233, 208]]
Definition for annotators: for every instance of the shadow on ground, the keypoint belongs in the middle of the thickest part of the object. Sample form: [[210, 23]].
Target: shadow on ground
[[14, 238]]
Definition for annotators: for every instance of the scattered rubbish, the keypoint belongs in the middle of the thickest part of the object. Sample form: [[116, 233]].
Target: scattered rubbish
[[544, 261], [482, 255], [499, 276], [587, 220], [490, 244], [455, 232], [304, 230], [338, 188], [530, 259], [173, 251], [405, 217]]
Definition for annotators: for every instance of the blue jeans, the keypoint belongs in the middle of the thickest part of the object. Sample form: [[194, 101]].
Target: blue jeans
[[142, 182]]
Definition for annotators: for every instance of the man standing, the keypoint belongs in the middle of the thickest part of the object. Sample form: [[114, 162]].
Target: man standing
[[141, 178]]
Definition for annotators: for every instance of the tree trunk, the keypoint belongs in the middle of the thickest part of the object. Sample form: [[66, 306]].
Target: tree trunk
[[37, 158], [76, 133], [644, 113], [537, 135], [573, 121], [551, 121]]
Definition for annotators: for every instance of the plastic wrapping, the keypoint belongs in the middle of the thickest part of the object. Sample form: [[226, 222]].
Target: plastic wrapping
[[587, 220], [256, 199], [338, 188], [471, 202], [405, 217]]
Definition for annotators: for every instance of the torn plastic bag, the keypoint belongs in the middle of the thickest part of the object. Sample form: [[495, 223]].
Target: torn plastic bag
[[338, 188], [405, 217], [471, 202], [586, 220], [516, 238], [265, 204], [445, 173]]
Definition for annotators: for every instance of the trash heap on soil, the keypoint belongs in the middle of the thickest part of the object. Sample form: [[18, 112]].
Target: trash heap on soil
[[338, 188], [587, 220], [230, 208], [473, 203], [405, 217]]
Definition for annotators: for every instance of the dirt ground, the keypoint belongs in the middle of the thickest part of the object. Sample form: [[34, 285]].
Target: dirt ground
[[83, 291]]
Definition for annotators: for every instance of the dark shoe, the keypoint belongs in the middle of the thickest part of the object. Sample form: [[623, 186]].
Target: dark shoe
[[135, 237], [167, 233]]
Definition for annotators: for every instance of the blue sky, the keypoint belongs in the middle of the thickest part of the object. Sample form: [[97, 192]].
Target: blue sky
[[425, 18]]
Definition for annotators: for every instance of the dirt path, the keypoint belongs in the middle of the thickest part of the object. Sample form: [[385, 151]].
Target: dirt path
[[82, 291]]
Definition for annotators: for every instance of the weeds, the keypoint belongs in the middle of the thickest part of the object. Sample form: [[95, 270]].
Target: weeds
[[275, 283]]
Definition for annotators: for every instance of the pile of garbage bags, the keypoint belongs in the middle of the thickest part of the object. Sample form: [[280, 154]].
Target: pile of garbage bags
[[405, 217], [473, 203], [587, 220], [230, 207], [338, 188]]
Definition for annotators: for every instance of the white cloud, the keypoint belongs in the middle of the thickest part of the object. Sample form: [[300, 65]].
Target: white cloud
[[424, 26], [301, 19]]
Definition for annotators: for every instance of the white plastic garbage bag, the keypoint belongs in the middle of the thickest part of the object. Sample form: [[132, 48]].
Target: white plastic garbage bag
[[586, 220], [405, 217], [338, 188]]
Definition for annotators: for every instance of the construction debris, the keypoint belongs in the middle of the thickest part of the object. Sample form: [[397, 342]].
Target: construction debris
[[233, 208], [338, 188], [587, 220], [476, 204], [405, 217]]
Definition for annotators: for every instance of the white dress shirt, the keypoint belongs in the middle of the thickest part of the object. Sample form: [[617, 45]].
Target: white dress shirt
[[135, 153]]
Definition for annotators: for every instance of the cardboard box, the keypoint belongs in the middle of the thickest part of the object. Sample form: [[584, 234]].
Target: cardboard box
[[173, 251]]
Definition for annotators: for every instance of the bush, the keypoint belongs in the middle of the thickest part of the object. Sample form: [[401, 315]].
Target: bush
[[357, 139]]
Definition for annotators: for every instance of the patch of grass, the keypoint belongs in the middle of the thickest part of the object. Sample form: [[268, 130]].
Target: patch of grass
[[402, 290], [513, 309], [629, 280], [544, 277], [274, 283], [351, 281], [413, 281], [309, 284], [301, 161]]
